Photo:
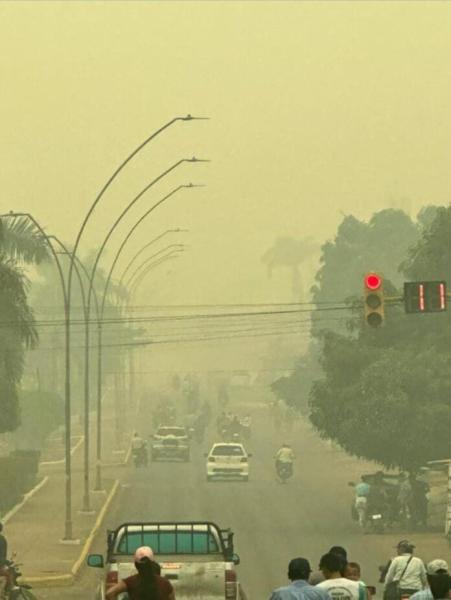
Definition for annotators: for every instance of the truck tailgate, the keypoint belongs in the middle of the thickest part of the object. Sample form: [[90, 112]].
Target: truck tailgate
[[193, 580]]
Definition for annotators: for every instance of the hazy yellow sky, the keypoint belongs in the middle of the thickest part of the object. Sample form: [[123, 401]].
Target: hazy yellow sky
[[317, 108]]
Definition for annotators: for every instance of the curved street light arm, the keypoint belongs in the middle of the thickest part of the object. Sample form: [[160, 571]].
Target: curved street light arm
[[127, 208], [127, 237], [149, 258], [29, 216], [141, 276], [65, 251], [110, 181]]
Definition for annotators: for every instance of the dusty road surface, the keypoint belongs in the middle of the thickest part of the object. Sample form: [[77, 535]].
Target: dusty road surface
[[272, 522]]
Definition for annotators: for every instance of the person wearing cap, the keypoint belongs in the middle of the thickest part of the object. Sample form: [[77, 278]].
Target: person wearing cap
[[299, 588], [147, 583], [407, 570], [434, 568]]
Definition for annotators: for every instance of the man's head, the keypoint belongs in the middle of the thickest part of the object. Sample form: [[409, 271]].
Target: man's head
[[331, 565], [339, 551], [405, 547], [440, 585], [299, 568]]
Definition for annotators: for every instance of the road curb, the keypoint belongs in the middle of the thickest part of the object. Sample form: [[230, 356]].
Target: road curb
[[26, 498], [68, 578]]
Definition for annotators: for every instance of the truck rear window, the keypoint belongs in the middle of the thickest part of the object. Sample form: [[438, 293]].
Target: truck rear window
[[228, 451], [169, 542]]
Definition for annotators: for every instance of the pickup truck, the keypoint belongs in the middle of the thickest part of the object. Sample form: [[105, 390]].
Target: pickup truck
[[197, 557]]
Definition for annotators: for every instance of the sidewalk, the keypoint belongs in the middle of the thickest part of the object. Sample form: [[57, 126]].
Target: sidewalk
[[35, 532]]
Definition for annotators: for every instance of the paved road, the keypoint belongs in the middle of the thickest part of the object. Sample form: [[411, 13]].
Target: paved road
[[272, 522]]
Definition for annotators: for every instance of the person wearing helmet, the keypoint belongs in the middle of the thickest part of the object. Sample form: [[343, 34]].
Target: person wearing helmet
[[406, 569], [147, 584]]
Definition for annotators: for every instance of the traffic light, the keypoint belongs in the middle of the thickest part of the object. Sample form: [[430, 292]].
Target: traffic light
[[425, 296], [373, 299]]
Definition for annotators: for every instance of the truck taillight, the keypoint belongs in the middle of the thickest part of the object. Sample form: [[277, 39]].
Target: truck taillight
[[211, 459], [111, 578], [230, 584]]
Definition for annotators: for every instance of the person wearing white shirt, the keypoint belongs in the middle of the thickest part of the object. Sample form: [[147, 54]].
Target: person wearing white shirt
[[408, 570], [337, 586]]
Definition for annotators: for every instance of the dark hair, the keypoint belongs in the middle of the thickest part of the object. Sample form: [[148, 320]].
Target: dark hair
[[339, 551], [147, 586], [440, 585], [332, 563], [298, 569]]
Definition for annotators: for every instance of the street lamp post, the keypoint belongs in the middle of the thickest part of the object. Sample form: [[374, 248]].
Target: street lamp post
[[119, 169], [98, 485], [81, 268]]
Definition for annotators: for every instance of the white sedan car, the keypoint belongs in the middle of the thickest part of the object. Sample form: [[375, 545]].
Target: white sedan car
[[228, 461]]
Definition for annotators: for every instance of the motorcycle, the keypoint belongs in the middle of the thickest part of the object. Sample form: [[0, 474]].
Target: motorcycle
[[140, 457], [16, 590], [284, 471], [376, 520]]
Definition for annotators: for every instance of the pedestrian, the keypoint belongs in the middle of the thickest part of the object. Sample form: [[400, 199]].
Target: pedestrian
[[434, 568], [419, 502], [339, 587], [318, 577], [404, 498], [147, 584], [362, 490], [406, 570], [299, 588]]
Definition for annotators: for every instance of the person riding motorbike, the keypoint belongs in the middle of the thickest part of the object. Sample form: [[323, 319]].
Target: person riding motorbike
[[284, 459], [139, 449]]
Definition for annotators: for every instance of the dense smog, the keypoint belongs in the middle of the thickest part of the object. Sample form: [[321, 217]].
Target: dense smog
[[225, 252]]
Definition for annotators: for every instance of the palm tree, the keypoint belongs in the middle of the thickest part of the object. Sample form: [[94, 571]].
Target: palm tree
[[20, 244], [291, 253]]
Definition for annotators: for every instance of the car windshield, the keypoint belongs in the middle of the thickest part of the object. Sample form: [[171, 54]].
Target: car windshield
[[177, 431], [228, 451]]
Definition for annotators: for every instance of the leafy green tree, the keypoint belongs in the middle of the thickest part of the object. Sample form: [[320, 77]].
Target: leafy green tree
[[20, 244], [384, 394]]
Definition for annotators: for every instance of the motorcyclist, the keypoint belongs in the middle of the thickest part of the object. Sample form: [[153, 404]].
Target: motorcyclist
[[362, 491], [139, 449], [284, 458]]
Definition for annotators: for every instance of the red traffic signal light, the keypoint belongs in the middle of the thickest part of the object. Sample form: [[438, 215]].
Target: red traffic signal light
[[373, 281], [373, 299]]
